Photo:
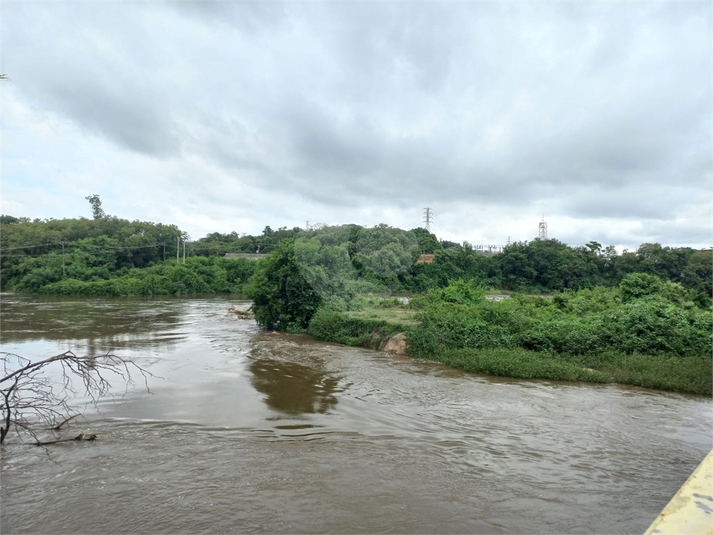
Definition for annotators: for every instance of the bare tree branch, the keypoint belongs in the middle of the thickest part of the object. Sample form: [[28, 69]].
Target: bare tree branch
[[32, 398], [59, 425]]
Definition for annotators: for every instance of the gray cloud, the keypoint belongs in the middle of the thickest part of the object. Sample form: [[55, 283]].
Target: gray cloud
[[598, 109]]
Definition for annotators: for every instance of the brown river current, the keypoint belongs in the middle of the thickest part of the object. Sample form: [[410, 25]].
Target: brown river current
[[247, 431]]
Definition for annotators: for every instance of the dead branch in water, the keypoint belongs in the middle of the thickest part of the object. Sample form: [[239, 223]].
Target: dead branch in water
[[80, 437], [31, 398], [242, 314]]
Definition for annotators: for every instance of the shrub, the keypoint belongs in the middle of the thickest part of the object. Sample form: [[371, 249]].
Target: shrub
[[281, 296], [333, 326]]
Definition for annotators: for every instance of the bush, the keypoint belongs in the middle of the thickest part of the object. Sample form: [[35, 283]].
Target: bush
[[281, 297], [637, 285], [333, 326]]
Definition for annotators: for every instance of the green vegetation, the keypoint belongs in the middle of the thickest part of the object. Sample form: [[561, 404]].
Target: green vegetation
[[640, 318], [109, 256], [217, 244], [339, 261], [197, 275], [654, 340], [544, 266], [335, 326], [282, 298], [645, 332]]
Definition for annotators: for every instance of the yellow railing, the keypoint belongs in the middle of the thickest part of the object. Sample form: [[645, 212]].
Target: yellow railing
[[690, 511]]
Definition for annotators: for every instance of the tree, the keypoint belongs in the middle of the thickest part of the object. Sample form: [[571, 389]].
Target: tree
[[637, 285], [282, 298], [31, 399], [698, 273], [427, 241], [96, 203]]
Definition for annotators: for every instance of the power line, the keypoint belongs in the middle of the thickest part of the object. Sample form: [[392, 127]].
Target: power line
[[117, 248], [31, 246]]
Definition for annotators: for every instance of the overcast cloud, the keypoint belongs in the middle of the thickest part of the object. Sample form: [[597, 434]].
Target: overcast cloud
[[230, 116]]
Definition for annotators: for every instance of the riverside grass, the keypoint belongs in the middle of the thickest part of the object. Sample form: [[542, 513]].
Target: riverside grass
[[653, 341], [331, 325], [659, 372]]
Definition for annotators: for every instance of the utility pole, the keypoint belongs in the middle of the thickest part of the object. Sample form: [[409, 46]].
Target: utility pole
[[178, 247], [184, 252], [427, 218]]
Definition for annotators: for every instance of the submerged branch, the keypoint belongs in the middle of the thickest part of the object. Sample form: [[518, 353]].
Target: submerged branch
[[80, 437]]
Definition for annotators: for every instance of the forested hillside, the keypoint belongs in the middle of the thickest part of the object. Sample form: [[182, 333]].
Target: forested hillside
[[112, 256], [109, 256]]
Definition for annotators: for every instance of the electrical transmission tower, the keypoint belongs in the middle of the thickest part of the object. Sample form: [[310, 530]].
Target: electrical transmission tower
[[427, 218], [543, 229]]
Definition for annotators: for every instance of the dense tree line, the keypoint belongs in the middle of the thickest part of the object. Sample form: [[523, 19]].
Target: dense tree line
[[338, 261], [109, 256], [543, 266], [40, 252], [217, 244]]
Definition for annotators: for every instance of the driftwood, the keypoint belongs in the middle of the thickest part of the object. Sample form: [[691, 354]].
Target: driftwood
[[242, 314], [80, 437]]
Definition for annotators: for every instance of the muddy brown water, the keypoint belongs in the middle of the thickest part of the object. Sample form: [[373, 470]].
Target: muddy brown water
[[247, 431]]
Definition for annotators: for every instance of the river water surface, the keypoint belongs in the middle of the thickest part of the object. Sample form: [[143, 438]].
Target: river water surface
[[249, 431]]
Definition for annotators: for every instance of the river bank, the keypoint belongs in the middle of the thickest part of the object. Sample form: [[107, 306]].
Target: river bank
[[446, 337]]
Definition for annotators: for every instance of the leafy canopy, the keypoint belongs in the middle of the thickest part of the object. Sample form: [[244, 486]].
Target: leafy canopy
[[282, 298]]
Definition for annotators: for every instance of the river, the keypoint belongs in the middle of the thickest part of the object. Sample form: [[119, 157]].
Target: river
[[250, 431]]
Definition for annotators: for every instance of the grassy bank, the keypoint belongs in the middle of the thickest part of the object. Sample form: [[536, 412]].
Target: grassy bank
[[640, 335], [662, 372], [355, 330]]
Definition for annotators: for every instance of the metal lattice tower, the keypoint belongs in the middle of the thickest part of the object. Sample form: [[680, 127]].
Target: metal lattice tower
[[543, 229], [427, 218]]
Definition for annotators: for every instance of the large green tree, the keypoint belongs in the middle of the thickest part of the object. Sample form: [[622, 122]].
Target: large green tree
[[282, 298]]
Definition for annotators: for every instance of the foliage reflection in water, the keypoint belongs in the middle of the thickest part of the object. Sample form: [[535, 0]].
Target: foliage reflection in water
[[294, 388]]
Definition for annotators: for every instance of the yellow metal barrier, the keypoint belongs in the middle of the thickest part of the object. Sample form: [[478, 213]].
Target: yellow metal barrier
[[690, 511]]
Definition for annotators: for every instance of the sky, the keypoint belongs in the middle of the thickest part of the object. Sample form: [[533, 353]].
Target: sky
[[232, 116]]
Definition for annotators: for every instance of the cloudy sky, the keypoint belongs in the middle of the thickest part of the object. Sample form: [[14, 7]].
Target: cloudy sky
[[230, 116]]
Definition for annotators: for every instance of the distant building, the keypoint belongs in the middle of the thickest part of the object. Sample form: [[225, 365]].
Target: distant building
[[425, 259], [489, 250], [252, 256]]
